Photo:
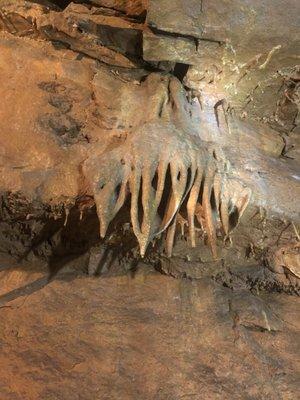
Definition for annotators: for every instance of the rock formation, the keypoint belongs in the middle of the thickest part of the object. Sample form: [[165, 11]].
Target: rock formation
[[154, 129], [109, 109]]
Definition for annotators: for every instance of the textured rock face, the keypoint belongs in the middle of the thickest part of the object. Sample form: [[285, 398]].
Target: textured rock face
[[130, 7], [80, 134], [76, 116], [169, 128], [255, 64], [83, 119], [145, 336]]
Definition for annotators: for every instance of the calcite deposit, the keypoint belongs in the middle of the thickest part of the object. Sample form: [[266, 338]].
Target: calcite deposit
[[156, 137]]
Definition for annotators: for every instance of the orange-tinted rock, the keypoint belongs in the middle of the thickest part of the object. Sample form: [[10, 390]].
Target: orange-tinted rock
[[113, 40], [146, 336], [130, 7]]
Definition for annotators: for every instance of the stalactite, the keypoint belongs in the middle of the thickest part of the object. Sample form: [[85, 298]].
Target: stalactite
[[160, 167]]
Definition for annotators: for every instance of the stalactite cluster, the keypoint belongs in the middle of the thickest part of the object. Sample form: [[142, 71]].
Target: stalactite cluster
[[164, 171]]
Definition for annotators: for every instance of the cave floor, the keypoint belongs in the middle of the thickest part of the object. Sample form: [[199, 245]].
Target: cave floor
[[142, 336]]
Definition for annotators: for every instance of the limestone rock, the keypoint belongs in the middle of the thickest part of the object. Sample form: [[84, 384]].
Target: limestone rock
[[19, 17], [161, 128], [130, 7], [176, 16], [285, 260], [147, 336], [178, 49], [110, 39]]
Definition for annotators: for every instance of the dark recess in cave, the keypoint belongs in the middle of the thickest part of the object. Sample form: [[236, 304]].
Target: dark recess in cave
[[180, 71]]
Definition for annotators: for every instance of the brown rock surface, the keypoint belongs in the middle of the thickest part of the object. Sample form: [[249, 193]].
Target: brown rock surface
[[44, 118], [146, 336], [260, 44], [104, 37], [72, 112], [184, 120], [130, 7]]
